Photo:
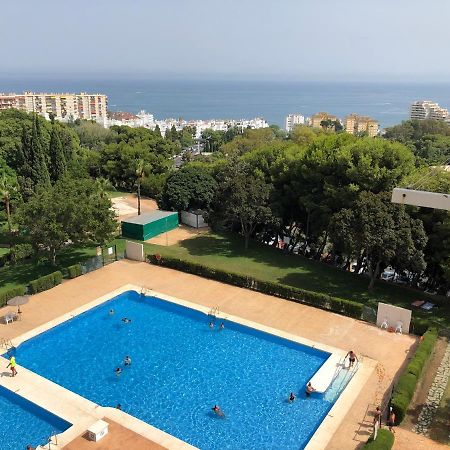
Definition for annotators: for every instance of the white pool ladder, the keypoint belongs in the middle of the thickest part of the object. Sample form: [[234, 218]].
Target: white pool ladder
[[6, 343], [214, 311]]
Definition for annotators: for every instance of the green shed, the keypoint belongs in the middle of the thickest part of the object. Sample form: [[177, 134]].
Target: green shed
[[148, 225]]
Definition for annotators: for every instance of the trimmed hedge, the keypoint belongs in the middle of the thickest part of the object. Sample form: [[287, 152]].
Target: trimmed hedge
[[14, 292], [404, 390], [46, 282], [324, 301], [74, 271], [384, 441]]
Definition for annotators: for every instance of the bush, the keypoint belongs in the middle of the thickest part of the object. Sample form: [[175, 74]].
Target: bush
[[46, 282], [14, 292], [404, 390], [324, 301], [384, 441], [21, 251], [74, 271]]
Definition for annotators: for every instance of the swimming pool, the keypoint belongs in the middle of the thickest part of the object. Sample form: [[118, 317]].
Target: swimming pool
[[180, 369], [23, 423]]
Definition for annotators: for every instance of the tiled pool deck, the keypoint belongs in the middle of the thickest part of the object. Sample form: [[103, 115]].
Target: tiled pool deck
[[295, 321]]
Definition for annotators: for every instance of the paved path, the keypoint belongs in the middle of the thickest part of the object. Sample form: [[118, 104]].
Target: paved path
[[389, 349]]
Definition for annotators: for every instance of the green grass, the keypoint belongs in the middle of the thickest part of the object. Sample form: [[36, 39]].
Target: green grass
[[4, 251], [115, 194], [225, 251], [22, 273]]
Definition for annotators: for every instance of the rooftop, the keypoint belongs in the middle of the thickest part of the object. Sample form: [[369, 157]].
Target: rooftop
[[149, 217]]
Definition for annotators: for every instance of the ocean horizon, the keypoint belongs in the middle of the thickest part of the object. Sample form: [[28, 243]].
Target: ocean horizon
[[387, 102]]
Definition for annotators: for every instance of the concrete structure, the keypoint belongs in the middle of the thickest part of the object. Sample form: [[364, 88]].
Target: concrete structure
[[63, 107], [392, 315], [426, 109], [193, 219], [318, 118], [421, 198], [355, 124], [294, 119], [146, 226], [134, 251]]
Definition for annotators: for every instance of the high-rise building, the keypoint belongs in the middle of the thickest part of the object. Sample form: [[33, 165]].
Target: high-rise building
[[294, 119], [318, 118], [425, 109], [63, 107], [355, 124]]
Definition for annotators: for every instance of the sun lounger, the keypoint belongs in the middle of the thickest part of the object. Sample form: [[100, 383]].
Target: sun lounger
[[428, 306], [9, 317]]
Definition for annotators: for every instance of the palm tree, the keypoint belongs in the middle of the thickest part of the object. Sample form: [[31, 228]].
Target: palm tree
[[140, 175], [103, 185], [5, 191]]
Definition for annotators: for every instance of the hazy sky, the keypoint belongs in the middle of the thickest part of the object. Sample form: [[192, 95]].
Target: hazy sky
[[268, 39]]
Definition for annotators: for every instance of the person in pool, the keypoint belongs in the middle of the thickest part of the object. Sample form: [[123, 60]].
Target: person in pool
[[218, 411], [222, 326], [111, 312], [309, 389], [211, 325], [118, 371], [126, 320], [291, 397], [127, 361]]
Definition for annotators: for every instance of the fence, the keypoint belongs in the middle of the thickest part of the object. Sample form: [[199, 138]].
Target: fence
[[106, 256]]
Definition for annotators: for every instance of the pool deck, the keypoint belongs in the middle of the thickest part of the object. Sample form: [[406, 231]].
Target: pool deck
[[382, 351]]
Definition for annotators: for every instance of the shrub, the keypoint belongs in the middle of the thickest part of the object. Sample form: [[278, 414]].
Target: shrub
[[46, 282], [21, 251], [404, 390], [74, 271], [14, 292], [384, 441], [324, 301]]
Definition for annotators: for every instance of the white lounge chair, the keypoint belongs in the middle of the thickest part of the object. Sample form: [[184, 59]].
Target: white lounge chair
[[9, 317], [385, 323], [399, 327]]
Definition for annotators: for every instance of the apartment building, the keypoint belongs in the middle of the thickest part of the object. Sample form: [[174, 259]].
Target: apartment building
[[318, 118], [294, 119], [355, 124], [425, 109], [63, 107]]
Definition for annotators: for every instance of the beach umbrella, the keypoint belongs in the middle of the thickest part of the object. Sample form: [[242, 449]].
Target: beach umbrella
[[18, 301]]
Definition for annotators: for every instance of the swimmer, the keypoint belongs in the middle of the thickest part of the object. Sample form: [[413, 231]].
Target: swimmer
[[291, 397], [218, 411], [351, 358], [126, 320], [119, 406], [111, 312], [127, 361], [118, 371], [211, 325], [309, 389], [222, 326]]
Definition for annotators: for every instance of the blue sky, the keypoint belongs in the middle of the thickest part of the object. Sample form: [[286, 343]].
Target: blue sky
[[276, 39]]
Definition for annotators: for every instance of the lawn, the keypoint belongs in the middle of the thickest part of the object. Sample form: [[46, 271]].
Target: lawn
[[115, 194], [4, 250], [225, 251]]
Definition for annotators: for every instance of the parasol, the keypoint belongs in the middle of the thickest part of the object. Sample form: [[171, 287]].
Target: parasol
[[18, 301]]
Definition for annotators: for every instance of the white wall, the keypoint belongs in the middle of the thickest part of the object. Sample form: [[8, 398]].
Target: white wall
[[193, 220], [134, 251], [394, 314]]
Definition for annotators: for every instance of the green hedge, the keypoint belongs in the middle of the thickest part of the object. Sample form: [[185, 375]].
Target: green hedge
[[14, 292], [74, 271], [324, 301], [404, 390], [384, 441], [46, 282]]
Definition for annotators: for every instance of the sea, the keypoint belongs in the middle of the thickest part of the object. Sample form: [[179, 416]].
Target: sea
[[273, 100]]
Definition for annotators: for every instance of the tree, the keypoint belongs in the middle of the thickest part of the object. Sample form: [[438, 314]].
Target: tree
[[141, 172], [58, 166], [241, 199], [157, 130], [8, 190], [70, 212], [381, 232], [39, 170], [191, 187]]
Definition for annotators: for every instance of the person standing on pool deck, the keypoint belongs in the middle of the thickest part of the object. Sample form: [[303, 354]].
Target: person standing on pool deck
[[351, 358], [391, 420], [12, 364]]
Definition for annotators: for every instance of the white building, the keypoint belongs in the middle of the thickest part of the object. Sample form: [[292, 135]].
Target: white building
[[425, 109], [294, 119]]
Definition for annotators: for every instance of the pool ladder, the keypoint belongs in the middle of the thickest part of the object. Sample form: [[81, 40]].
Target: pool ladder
[[214, 311], [144, 290], [6, 343], [52, 440]]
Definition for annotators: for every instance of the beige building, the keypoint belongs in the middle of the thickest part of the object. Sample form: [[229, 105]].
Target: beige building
[[355, 124], [319, 117], [64, 107], [425, 109]]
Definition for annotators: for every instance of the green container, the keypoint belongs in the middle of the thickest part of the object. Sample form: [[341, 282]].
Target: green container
[[149, 225]]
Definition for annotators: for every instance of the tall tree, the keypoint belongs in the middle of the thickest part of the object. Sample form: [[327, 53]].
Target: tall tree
[[58, 165], [39, 170], [9, 190], [141, 172]]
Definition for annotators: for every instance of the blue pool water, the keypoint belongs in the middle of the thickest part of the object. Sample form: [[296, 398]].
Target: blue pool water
[[23, 423], [180, 369]]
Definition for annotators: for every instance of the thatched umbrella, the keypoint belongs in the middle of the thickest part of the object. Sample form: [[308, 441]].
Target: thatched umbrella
[[18, 301]]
